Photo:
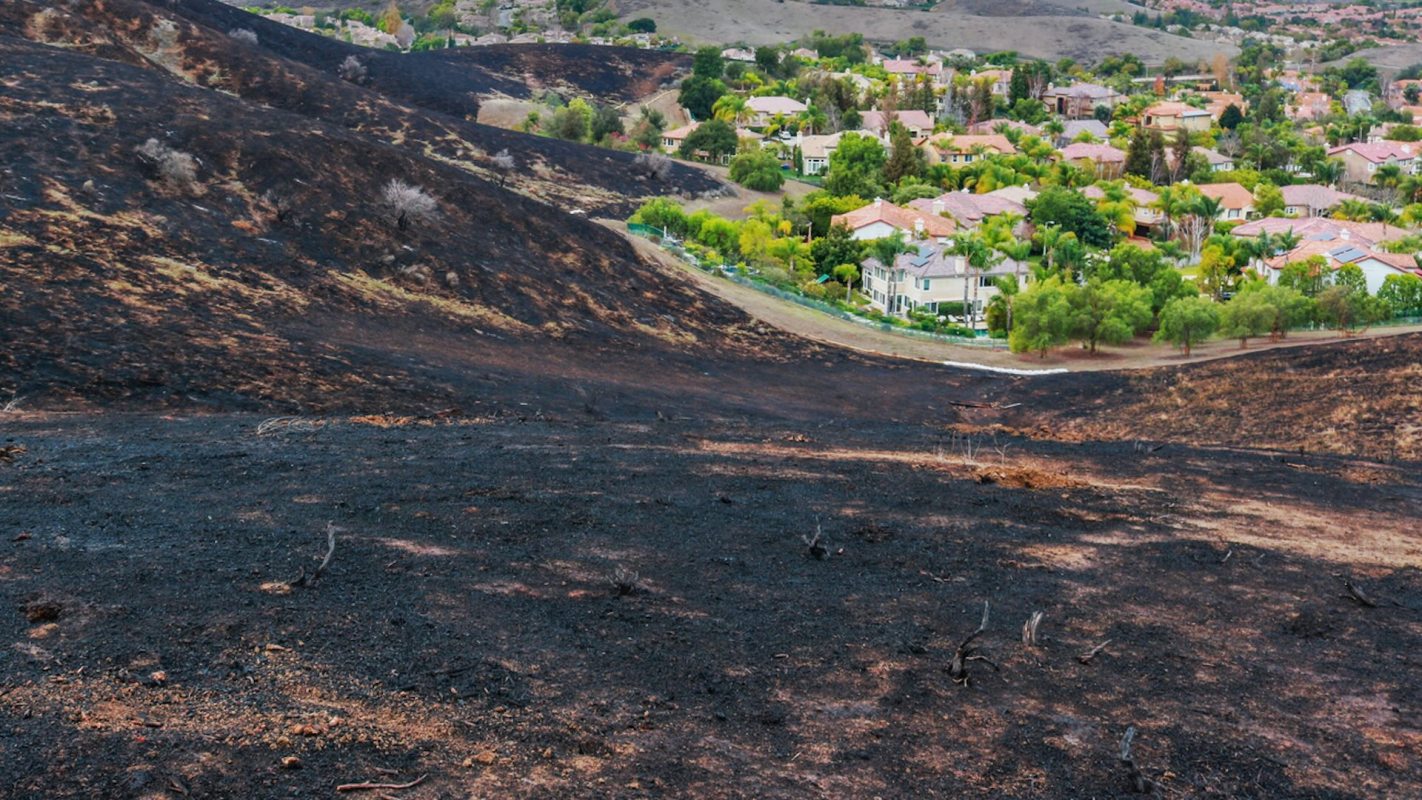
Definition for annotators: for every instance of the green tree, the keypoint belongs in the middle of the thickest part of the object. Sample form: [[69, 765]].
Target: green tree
[[642, 25], [1247, 314], [1231, 117], [1109, 311], [663, 213], [847, 274], [836, 247], [1346, 308], [1042, 317], [905, 160], [714, 138], [1403, 293], [707, 63], [699, 95], [1138, 155], [1187, 321], [606, 122], [819, 207], [1071, 211], [758, 169], [856, 167], [1268, 200], [573, 121]]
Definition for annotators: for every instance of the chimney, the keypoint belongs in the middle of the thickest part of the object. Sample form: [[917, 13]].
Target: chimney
[[1345, 234], [878, 201], [938, 208]]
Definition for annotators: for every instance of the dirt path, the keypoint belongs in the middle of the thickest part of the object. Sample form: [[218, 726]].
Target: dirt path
[[814, 325]]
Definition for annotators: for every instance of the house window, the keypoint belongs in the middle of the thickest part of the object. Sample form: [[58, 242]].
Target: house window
[[984, 280], [926, 284]]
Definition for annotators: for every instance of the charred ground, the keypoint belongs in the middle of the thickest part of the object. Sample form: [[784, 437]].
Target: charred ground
[[572, 495]]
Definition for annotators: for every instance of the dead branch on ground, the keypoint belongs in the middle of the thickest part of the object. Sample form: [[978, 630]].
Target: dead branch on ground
[[276, 424], [361, 787], [626, 582], [967, 651], [1140, 784], [1029, 629], [1357, 594], [1086, 657], [815, 544], [309, 580]]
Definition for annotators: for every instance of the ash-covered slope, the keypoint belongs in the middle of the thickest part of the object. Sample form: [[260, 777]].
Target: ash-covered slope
[[277, 276], [423, 102]]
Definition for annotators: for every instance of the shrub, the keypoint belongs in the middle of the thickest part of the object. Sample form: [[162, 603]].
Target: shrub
[[408, 204], [655, 166], [352, 70], [244, 35], [173, 167]]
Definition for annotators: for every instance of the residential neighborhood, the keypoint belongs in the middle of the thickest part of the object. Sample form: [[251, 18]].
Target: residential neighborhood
[[948, 192]]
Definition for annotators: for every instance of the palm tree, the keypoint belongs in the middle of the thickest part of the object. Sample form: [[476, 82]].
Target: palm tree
[[1049, 237], [1328, 171], [1353, 210], [1054, 128], [1388, 176], [814, 119], [729, 108], [1287, 241]]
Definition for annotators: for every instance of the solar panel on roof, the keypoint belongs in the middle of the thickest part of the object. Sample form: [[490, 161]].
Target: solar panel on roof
[[1347, 254]]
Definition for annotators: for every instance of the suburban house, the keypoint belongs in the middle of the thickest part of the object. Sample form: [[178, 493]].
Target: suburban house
[[815, 152], [906, 69], [1398, 90], [998, 124], [1236, 202], [968, 210], [880, 219], [1376, 265], [999, 79], [1105, 161], [805, 53], [765, 109], [927, 276], [1312, 199], [1362, 159], [1073, 129], [1217, 102], [1322, 229], [672, 139], [1307, 106], [1145, 216], [918, 123], [965, 149], [738, 54], [1079, 100], [1219, 162], [1172, 117]]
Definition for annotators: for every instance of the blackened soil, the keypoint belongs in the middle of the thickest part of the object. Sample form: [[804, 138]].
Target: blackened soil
[[470, 627]]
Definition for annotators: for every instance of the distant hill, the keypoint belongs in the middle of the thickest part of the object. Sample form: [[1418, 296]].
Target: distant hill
[[1037, 28]]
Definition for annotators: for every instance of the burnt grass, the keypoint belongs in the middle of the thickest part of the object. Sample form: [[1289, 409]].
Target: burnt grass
[[470, 627], [572, 496]]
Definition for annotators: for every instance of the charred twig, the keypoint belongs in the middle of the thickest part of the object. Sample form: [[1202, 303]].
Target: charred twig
[[967, 651], [815, 544], [361, 787], [1140, 784], [1356, 593], [308, 580], [1086, 657], [626, 582], [1029, 629]]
